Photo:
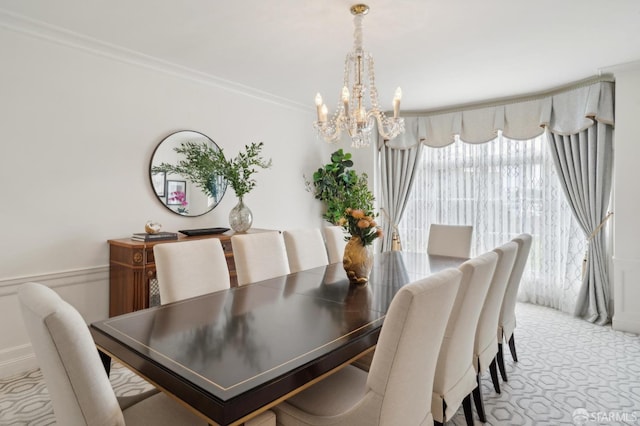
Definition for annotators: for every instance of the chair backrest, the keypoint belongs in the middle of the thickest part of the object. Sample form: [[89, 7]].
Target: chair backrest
[[450, 240], [78, 386], [404, 362], [507, 321], [455, 361], [190, 268], [259, 256], [486, 344], [305, 249], [335, 242]]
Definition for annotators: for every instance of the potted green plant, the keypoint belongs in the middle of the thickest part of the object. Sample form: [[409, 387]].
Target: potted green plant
[[203, 164], [339, 187]]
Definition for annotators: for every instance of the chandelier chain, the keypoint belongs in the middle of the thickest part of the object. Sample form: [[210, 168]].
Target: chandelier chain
[[357, 33]]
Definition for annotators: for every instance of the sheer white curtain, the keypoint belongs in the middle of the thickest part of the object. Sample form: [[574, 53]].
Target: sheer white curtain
[[502, 188]]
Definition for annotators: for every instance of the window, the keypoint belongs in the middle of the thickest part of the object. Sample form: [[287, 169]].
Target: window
[[502, 188]]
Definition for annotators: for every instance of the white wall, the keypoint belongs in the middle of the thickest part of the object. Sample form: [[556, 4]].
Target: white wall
[[78, 125], [626, 252]]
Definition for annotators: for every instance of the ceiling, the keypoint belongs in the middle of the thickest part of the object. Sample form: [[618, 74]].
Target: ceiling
[[441, 52]]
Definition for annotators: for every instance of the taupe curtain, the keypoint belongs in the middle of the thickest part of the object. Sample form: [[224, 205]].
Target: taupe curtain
[[584, 165], [397, 176]]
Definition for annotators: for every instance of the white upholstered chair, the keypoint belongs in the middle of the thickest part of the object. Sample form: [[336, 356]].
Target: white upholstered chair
[[335, 242], [450, 240], [259, 256], [485, 348], [75, 377], [190, 268], [399, 383], [305, 248], [455, 376], [78, 385], [507, 320]]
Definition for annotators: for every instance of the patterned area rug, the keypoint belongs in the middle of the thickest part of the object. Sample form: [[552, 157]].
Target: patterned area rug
[[570, 372], [24, 399]]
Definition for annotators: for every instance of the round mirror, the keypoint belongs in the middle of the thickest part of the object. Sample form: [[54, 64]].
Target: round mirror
[[178, 182]]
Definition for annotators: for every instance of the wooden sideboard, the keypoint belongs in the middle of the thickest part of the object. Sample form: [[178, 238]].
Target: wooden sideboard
[[132, 271]]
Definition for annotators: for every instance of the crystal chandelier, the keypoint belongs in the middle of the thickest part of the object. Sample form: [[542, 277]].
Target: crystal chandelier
[[352, 115]]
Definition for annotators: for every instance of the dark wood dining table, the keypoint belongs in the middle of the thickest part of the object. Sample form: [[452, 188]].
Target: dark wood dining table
[[232, 354]]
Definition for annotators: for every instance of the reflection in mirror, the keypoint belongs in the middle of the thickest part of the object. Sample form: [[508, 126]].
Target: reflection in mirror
[[182, 194]]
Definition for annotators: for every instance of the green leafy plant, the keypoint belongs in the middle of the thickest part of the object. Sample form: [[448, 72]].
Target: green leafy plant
[[203, 165], [340, 187]]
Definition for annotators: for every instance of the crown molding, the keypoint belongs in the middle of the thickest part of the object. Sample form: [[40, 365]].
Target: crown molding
[[623, 67], [38, 29]]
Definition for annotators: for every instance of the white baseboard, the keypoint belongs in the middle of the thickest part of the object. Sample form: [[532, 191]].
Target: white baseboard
[[629, 323], [17, 360], [626, 299]]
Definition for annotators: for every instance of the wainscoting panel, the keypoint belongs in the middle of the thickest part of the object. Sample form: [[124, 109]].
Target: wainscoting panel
[[87, 290], [626, 299]]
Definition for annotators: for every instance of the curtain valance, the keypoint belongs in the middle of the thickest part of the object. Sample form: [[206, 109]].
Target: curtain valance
[[563, 112]]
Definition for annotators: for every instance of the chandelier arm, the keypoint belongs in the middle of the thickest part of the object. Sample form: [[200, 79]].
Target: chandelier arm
[[329, 133], [389, 128]]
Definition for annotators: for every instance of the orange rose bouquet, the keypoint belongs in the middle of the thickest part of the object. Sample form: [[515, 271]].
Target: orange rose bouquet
[[358, 223]]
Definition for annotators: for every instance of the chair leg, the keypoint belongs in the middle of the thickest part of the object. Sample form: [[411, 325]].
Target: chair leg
[[106, 362], [503, 371], [468, 414], [494, 375], [512, 347], [477, 398], [444, 417]]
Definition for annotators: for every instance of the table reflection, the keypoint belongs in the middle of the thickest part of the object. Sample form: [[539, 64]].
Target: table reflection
[[265, 338]]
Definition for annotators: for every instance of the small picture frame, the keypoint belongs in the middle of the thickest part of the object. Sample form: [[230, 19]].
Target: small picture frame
[[158, 181], [175, 186]]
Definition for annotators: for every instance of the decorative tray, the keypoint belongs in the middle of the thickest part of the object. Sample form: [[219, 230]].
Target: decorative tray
[[203, 231]]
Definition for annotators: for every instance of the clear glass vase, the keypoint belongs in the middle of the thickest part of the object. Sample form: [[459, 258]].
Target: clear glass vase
[[240, 217]]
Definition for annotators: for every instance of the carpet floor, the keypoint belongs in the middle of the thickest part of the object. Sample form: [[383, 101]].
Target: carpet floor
[[570, 372]]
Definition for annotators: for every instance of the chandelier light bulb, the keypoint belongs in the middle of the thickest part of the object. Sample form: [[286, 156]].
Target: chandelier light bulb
[[345, 94], [396, 102], [323, 113], [319, 105], [345, 100]]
